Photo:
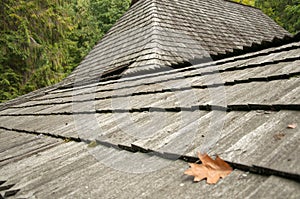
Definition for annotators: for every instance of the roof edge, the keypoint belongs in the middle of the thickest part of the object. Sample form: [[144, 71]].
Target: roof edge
[[276, 42], [255, 47]]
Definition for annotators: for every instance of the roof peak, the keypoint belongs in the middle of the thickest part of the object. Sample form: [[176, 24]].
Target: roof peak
[[160, 34]]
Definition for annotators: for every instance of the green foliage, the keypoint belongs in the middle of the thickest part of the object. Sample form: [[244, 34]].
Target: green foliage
[[9, 83], [246, 2], [108, 11], [42, 41], [292, 20], [285, 12]]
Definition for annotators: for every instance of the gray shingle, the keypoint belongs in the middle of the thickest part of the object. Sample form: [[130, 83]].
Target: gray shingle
[[176, 31], [165, 111]]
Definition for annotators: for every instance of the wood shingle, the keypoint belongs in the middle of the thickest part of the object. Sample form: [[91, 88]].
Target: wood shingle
[[132, 137]]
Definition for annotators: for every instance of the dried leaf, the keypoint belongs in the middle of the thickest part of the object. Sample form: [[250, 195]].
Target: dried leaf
[[67, 140], [278, 136], [292, 126], [210, 169], [92, 144]]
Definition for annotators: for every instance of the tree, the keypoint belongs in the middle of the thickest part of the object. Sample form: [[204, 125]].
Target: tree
[[107, 12], [292, 19], [285, 12], [41, 42], [34, 44], [246, 2]]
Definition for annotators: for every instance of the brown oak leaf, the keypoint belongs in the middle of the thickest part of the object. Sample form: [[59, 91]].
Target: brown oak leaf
[[292, 126], [210, 169]]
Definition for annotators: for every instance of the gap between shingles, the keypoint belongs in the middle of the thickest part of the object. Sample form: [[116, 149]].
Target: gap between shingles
[[230, 69], [207, 107], [229, 83], [136, 149], [219, 62]]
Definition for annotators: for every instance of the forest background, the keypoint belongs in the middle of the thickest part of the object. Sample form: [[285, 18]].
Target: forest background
[[42, 41]]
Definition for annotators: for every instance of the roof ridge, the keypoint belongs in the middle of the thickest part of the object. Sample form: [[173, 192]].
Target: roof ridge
[[153, 45], [165, 33]]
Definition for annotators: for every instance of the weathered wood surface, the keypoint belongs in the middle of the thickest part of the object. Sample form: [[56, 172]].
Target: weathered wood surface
[[167, 111]]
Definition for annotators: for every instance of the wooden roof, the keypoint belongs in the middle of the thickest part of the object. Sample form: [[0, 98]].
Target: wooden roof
[[159, 34], [261, 101], [132, 137]]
